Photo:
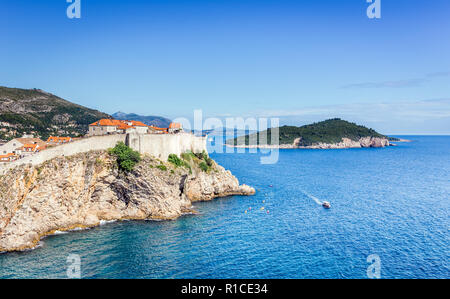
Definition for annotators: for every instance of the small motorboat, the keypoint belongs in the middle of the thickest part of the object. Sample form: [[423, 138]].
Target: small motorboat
[[326, 205]]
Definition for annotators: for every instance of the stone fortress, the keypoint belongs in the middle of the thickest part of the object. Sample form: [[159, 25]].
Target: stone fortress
[[147, 140]]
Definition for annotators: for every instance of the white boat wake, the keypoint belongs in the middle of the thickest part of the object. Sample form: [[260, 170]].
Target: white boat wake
[[318, 201]]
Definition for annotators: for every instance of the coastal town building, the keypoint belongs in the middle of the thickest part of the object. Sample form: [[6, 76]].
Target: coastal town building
[[156, 130], [104, 127], [175, 128], [114, 126], [8, 158], [54, 140], [28, 149], [27, 146], [16, 145]]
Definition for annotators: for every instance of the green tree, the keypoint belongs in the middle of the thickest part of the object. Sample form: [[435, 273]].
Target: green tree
[[126, 157]]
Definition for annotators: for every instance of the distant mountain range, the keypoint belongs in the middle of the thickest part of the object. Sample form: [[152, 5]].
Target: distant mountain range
[[224, 131], [37, 112], [157, 121], [34, 111]]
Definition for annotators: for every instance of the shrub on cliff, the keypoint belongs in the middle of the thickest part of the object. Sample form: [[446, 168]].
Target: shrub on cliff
[[175, 160], [203, 166], [178, 162], [126, 157], [202, 160], [187, 156], [162, 167], [188, 159], [204, 156]]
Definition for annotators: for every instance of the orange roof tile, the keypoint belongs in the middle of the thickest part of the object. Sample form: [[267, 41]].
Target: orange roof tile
[[118, 123], [123, 126], [175, 126], [137, 123], [31, 141], [58, 139], [157, 128], [33, 147], [106, 122]]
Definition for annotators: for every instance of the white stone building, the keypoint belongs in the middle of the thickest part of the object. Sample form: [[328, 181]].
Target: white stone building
[[15, 146], [114, 126], [175, 128]]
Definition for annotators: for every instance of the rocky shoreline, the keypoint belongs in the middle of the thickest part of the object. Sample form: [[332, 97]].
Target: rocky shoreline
[[365, 142], [402, 140], [85, 190]]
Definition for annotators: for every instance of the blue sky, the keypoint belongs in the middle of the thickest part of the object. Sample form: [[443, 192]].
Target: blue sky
[[299, 60]]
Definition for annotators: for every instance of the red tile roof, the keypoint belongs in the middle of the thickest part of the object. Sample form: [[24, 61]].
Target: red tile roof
[[120, 124], [157, 128], [33, 147], [59, 139], [107, 122], [175, 126], [138, 123], [123, 126], [32, 141]]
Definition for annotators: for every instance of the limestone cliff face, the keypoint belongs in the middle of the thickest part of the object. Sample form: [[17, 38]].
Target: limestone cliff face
[[363, 142], [206, 186], [82, 190]]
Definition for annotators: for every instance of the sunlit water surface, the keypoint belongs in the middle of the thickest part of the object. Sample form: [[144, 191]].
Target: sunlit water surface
[[392, 202]]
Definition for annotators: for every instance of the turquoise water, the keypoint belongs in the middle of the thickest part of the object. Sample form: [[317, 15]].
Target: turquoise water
[[393, 202]]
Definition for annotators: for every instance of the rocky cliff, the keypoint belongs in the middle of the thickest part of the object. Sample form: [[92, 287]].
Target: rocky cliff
[[80, 191], [363, 142]]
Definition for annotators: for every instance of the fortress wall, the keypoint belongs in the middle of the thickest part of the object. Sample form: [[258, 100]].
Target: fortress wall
[[161, 146], [157, 145], [68, 149]]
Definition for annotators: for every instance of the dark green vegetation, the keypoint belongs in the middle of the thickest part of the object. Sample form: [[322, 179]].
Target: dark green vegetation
[[175, 160], [393, 139], [126, 157], [189, 159], [33, 111], [178, 162], [328, 131], [206, 162], [161, 167], [157, 121]]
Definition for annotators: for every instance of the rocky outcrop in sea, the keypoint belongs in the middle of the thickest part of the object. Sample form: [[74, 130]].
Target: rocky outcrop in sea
[[87, 189]]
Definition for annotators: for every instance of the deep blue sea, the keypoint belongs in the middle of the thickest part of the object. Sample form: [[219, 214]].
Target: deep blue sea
[[392, 202]]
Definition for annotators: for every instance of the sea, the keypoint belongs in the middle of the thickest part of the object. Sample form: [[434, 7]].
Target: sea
[[389, 218]]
